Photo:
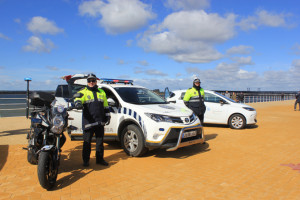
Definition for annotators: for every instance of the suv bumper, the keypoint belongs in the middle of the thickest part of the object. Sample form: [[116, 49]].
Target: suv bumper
[[175, 138]]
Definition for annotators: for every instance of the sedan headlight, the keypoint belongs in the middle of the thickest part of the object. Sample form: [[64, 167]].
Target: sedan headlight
[[159, 118], [58, 123], [249, 108]]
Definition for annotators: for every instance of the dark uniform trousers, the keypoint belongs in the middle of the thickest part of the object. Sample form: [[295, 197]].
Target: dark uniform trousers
[[87, 138]]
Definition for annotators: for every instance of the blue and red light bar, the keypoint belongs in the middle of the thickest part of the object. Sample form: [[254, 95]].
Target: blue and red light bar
[[110, 80]]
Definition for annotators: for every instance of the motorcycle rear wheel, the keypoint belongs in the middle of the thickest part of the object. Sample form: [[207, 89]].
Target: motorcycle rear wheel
[[46, 174]]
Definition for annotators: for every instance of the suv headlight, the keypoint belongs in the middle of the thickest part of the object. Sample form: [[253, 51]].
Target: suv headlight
[[159, 118], [249, 108]]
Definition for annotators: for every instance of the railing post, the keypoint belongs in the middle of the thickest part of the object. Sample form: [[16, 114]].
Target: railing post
[[27, 108]]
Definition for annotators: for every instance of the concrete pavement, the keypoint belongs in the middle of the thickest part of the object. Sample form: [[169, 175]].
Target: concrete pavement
[[259, 162]]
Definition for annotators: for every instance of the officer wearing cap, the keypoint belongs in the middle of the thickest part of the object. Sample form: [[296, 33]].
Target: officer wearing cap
[[95, 115], [194, 99]]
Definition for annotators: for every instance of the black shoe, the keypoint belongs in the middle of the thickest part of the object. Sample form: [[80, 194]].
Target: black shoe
[[102, 162], [86, 164]]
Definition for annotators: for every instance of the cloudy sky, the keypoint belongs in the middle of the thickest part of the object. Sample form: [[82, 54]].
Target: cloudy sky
[[228, 44]]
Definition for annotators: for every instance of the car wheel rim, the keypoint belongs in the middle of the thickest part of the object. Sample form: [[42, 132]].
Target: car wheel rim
[[237, 122], [131, 141]]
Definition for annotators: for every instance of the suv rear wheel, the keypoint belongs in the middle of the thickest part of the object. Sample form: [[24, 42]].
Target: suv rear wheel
[[132, 140]]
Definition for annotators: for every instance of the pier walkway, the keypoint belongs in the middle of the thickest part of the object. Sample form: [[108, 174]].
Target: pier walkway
[[259, 162]]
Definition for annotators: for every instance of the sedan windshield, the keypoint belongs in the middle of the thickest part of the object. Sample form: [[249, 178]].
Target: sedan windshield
[[139, 96]]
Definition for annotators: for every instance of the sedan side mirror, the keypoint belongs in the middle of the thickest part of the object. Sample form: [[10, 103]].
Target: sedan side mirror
[[222, 102]]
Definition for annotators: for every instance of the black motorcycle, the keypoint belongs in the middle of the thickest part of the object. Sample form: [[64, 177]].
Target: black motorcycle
[[49, 120]]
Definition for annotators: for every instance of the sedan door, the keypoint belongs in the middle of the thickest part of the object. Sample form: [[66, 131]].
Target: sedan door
[[216, 112]]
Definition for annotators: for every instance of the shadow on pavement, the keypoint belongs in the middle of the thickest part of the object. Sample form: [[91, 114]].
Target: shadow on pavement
[[14, 132], [71, 162], [3, 155], [180, 153], [210, 136], [226, 126]]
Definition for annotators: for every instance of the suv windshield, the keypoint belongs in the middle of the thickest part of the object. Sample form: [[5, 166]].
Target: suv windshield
[[75, 88], [139, 96]]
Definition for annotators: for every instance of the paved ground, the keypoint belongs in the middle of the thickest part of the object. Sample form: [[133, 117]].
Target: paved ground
[[260, 162]]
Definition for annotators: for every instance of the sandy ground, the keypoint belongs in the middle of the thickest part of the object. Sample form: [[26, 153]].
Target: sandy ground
[[259, 162]]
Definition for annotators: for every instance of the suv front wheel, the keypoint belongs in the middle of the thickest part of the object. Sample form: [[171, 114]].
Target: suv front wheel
[[132, 140]]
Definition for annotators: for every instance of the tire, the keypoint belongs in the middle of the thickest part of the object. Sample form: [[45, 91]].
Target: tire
[[132, 141], [47, 176], [237, 121], [31, 158]]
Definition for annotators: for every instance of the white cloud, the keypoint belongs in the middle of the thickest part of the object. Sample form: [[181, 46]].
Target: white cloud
[[129, 43], [189, 36], [296, 49], [118, 16], [143, 62], [269, 19], [150, 72], [41, 25], [243, 60], [52, 68], [241, 49], [17, 20], [187, 4], [264, 18], [122, 62], [4, 37], [154, 72], [91, 8], [36, 44]]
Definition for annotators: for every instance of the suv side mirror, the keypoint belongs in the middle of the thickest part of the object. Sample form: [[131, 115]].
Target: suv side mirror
[[111, 102]]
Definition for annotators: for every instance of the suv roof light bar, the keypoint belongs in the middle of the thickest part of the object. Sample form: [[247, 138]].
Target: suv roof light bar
[[114, 81]]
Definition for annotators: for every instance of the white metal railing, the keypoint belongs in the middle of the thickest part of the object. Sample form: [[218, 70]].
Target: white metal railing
[[12, 108], [266, 98]]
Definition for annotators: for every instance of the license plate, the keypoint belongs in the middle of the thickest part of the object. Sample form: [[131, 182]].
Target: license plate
[[189, 134]]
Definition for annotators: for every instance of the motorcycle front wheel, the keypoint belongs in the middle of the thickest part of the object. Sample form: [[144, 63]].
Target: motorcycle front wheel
[[46, 173]]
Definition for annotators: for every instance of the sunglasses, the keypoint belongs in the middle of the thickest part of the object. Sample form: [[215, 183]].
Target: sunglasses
[[91, 80]]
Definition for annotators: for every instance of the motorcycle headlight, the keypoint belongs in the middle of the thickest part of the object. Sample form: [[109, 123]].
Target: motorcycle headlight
[[60, 108], [58, 123], [159, 118]]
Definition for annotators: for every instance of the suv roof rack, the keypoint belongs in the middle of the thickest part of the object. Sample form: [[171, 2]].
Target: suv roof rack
[[115, 81]]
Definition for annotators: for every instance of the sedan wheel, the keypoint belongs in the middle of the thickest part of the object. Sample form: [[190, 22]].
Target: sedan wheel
[[237, 121]]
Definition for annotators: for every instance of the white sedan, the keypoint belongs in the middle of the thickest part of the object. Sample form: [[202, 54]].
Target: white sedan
[[219, 109]]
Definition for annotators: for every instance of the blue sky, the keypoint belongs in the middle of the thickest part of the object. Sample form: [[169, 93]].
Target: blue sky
[[228, 44]]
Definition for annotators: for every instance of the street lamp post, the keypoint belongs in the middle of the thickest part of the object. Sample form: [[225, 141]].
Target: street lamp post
[[27, 108]]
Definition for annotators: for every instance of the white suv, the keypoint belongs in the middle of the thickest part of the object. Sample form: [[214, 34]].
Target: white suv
[[219, 109], [140, 119]]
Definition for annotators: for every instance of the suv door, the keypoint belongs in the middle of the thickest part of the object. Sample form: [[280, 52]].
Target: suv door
[[111, 130]]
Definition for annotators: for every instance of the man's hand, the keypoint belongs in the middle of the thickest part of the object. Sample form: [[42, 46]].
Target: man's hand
[[78, 105]]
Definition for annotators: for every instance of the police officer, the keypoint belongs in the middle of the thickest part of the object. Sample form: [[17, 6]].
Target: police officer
[[194, 99], [95, 115]]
